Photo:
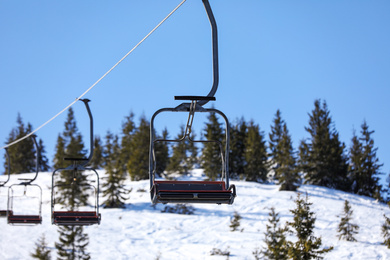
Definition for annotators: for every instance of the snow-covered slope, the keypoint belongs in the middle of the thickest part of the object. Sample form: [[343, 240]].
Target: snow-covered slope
[[143, 232]]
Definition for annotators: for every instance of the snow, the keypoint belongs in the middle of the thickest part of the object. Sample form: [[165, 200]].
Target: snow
[[141, 231]]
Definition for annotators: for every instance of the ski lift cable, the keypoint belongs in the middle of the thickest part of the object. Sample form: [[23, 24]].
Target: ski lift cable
[[100, 79]]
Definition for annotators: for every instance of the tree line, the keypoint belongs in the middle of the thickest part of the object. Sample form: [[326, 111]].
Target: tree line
[[321, 159]]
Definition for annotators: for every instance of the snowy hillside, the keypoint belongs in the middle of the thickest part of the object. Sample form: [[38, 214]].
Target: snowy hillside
[[143, 232]]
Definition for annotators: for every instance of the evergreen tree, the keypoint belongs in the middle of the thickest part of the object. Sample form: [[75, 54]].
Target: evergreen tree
[[138, 163], [322, 159], [256, 167], [162, 153], [72, 243], [282, 155], [275, 239], [71, 185], [211, 153], [364, 165], [307, 245], [43, 160], [346, 229], [22, 154], [238, 135], [386, 231], [41, 249], [97, 161], [235, 221], [128, 130], [113, 188], [184, 155]]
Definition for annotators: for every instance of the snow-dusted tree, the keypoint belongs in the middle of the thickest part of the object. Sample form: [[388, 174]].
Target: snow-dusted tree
[[307, 245], [256, 166], [386, 231], [275, 239], [72, 243], [322, 158], [42, 252], [235, 221], [346, 229], [114, 191], [282, 155]]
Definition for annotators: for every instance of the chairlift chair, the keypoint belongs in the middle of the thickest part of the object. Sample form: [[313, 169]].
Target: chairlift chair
[[25, 198], [168, 191], [4, 189], [75, 216]]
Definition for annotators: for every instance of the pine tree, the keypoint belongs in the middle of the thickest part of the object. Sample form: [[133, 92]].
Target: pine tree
[[364, 165], [184, 155], [113, 188], [322, 159], [238, 133], [386, 231], [307, 245], [43, 160], [256, 167], [235, 221], [22, 154], [346, 229], [41, 249], [128, 131], [71, 184], [211, 153], [275, 239], [97, 161], [162, 153], [138, 163], [282, 155], [72, 243]]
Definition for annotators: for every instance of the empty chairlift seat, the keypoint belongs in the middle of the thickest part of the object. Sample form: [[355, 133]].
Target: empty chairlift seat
[[79, 218], [192, 192]]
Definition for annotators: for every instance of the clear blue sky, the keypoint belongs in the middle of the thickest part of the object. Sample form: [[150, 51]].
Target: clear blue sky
[[273, 55]]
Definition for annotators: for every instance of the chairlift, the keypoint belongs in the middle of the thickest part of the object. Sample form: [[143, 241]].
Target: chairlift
[[77, 215], [25, 198], [168, 191], [4, 189]]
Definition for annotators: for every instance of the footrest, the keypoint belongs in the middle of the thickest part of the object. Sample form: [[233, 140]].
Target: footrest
[[78, 218]]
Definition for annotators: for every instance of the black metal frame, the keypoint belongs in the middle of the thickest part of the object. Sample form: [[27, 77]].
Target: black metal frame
[[4, 212], [195, 191], [25, 218], [78, 218]]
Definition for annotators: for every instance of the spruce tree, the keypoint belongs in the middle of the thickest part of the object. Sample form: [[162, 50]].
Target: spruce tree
[[138, 163], [97, 161], [322, 159], [72, 243], [307, 245], [211, 152], [128, 131], [114, 190], [386, 231], [238, 133], [256, 167], [41, 249], [346, 229], [184, 155], [275, 239], [364, 165], [162, 153], [282, 155], [43, 160], [235, 222], [22, 154]]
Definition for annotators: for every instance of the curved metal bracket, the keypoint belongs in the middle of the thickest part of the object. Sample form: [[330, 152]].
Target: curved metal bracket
[[214, 35]]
